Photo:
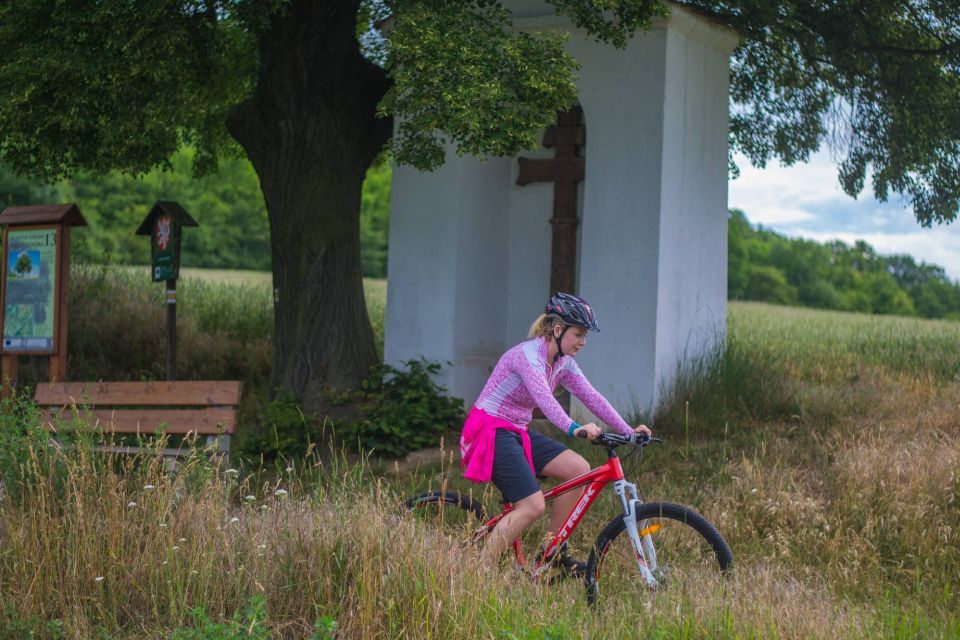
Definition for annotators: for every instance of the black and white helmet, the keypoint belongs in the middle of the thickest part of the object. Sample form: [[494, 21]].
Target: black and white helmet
[[572, 310]]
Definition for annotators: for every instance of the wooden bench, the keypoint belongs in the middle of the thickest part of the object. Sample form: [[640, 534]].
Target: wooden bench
[[205, 408]]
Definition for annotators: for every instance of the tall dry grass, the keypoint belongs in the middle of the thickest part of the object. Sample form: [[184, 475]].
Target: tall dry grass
[[833, 535]]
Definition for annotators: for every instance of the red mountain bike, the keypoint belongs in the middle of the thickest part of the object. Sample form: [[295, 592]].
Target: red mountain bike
[[653, 543]]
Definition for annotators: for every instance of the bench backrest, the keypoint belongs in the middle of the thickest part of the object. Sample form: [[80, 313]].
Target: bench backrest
[[203, 407]]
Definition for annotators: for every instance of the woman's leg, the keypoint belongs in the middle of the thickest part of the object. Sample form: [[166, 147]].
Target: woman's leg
[[566, 466], [525, 512]]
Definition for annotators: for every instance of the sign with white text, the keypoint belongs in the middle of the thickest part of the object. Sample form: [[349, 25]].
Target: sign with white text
[[29, 320]]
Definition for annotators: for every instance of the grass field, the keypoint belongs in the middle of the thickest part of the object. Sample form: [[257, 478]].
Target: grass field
[[825, 446]]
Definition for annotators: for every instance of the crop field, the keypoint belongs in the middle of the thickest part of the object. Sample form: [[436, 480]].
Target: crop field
[[825, 447]]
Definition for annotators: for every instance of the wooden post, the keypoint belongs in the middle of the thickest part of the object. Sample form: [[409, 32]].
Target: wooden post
[[58, 361], [9, 382], [163, 224], [171, 329]]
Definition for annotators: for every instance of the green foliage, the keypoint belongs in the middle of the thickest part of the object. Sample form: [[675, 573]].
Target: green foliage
[[768, 267], [375, 220], [462, 75], [233, 233], [282, 430], [403, 410], [244, 625], [117, 85], [769, 283], [14, 626], [613, 21], [18, 190]]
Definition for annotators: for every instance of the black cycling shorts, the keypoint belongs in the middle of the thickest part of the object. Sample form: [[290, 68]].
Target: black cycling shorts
[[511, 473]]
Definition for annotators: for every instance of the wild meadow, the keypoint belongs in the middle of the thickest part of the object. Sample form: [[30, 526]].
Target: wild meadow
[[825, 446]]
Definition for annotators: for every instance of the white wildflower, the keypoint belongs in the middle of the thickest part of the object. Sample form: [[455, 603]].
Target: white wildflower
[[175, 548], [231, 472], [234, 520], [148, 487], [280, 493], [289, 469], [163, 525], [98, 579], [181, 539], [249, 498], [131, 504]]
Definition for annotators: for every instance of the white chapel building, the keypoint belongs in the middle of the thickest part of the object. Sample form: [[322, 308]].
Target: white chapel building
[[470, 249]]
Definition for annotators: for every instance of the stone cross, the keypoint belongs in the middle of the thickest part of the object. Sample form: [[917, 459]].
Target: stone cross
[[565, 170]]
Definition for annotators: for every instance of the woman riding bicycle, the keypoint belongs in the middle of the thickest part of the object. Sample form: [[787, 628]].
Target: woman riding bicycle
[[496, 444]]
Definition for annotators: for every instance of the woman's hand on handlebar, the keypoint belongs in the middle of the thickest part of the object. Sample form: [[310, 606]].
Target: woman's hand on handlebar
[[643, 430], [589, 431]]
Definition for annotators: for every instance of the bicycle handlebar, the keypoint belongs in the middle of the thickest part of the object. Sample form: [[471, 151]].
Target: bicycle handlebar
[[616, 439]]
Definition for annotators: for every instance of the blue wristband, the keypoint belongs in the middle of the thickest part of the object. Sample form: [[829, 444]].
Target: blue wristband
[[573, 427]]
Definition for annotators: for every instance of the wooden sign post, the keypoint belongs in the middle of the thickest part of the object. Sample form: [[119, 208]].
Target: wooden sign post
[[163, 225], [34, 278]]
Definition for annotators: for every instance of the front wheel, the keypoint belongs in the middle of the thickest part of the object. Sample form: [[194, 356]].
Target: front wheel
[[680, 547]]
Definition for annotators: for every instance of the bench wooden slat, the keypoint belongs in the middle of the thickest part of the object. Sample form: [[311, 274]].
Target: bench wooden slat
[[177, 421], [158, 393]]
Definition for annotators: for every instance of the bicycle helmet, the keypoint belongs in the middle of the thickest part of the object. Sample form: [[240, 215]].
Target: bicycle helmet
[[573, 311]]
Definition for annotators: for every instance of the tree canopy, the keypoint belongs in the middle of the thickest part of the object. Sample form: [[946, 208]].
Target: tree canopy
[[300, 89]]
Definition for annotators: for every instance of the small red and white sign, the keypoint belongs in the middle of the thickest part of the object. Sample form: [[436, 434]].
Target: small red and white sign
[[163, 232]]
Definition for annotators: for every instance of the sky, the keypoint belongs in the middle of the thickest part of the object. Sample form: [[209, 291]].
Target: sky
[[806, 200]]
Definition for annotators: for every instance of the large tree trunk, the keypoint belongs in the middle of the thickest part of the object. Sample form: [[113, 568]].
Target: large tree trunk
[[311, 132]]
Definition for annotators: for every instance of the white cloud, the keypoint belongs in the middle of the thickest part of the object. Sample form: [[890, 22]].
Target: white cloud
[[772, 215], [801, 186]]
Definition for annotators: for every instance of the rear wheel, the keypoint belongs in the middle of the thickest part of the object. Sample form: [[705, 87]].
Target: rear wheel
[[449, 510], [686, 550]]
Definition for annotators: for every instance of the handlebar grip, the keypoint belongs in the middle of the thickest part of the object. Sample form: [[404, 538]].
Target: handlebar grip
[[581, 433]]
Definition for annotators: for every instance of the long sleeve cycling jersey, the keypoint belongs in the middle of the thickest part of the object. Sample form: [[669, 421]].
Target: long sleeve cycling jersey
[[523, 379]]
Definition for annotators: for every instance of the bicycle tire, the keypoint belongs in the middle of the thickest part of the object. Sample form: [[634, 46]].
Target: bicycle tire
[[699, 538], [469, 507]]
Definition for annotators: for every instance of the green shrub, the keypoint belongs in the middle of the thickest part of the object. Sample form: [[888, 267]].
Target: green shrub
[[248, 624], [403, 410], [394, 412], [282, 430]]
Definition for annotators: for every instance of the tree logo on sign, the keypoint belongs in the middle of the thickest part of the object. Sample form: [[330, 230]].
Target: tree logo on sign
[[163, 232]]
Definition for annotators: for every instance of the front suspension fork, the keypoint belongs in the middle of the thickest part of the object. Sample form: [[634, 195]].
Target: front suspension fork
[[643, 549]]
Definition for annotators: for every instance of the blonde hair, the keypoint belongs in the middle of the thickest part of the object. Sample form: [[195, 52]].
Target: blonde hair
[[543, 326]]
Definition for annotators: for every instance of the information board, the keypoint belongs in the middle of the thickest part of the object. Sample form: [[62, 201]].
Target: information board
[[29, 318]]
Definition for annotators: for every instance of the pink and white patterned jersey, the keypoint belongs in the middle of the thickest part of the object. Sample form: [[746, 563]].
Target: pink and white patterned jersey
[[522, 380]]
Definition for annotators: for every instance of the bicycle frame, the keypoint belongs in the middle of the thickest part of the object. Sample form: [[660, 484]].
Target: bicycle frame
[[593, 481]]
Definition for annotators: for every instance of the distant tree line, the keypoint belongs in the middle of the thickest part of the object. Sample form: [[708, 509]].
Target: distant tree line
[[769, 267], [234, 234], [228, 204]]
